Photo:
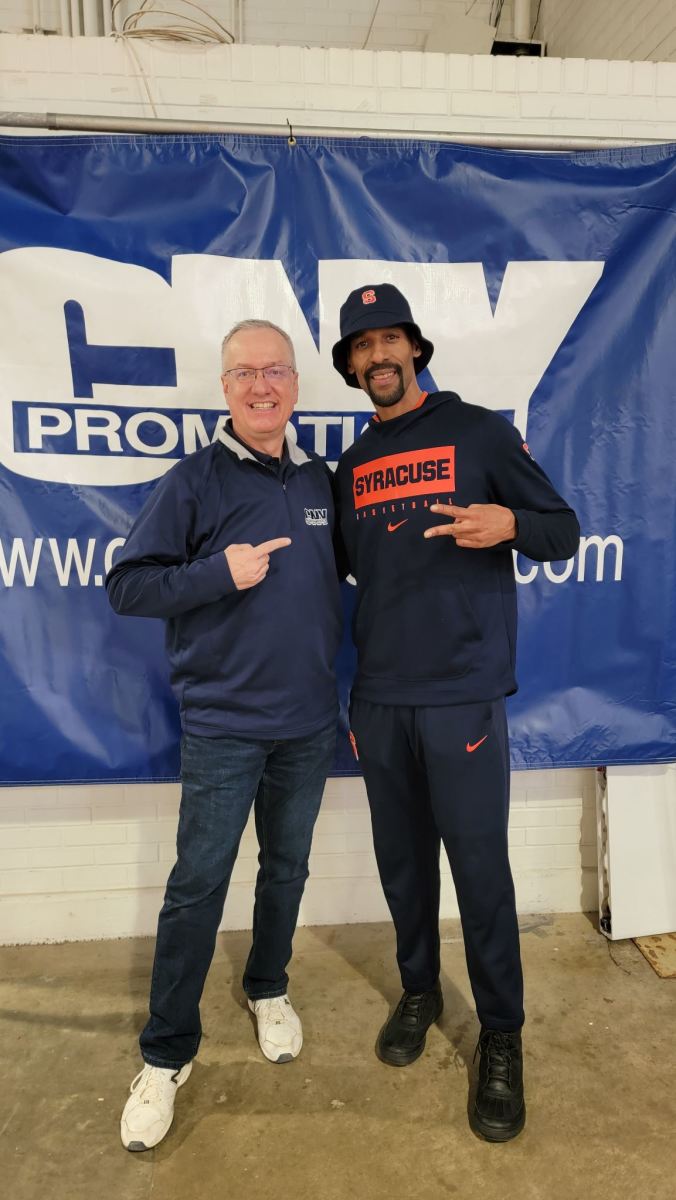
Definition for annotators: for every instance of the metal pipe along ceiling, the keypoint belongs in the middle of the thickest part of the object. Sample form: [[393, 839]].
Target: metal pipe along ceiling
[[83, 123]]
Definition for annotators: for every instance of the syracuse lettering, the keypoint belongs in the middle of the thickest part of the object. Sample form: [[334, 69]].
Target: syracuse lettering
[[398, 476]]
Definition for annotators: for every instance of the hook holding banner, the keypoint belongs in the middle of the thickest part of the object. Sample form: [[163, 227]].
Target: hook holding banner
[[291, 139]]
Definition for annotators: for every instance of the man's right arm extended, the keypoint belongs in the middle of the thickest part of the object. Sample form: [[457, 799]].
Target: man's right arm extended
[[158, 572]]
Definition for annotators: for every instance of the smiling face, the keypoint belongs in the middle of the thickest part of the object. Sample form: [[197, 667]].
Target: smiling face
[[260, 409], [384, 362]]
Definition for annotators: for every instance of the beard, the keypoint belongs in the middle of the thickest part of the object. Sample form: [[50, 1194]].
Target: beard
[[381, 398]]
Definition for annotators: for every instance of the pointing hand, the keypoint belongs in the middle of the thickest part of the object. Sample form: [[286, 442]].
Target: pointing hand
[[250, 564]]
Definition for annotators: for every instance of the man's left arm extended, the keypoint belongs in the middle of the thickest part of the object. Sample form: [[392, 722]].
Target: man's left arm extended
[[527, 515]]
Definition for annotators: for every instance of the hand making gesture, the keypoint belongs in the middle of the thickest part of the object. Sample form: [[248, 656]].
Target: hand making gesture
[[477, 527]]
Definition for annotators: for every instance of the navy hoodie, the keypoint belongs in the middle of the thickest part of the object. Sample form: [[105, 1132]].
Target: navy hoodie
[[256, 663], [435, 623]]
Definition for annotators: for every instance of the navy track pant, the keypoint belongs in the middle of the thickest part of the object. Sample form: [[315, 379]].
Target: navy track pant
[[438, 774]]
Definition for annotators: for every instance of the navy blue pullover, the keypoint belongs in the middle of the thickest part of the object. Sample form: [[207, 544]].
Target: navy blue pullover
[[256, 663], [435, 623]]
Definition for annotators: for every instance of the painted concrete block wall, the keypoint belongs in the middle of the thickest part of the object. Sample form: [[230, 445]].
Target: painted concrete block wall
[[340, 89], [87, 862], [92, 861]]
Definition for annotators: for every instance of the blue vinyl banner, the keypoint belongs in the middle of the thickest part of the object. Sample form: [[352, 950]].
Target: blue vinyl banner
[[546, 283]]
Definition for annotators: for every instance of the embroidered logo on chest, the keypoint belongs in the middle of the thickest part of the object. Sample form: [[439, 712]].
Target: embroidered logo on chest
[[316, 516]]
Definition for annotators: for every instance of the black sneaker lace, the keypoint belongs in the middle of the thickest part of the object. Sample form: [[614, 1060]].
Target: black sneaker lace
[[411, 1005], [498, 1048]]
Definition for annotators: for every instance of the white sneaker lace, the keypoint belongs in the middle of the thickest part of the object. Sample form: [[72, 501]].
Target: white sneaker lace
[[155, 1087], [277, 1011]]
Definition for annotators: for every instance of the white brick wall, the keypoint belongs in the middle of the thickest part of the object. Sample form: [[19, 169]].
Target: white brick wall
[[341, 89], [92, 861], [84, 862]]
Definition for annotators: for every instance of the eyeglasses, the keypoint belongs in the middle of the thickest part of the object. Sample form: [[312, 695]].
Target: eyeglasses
[[277, 373]]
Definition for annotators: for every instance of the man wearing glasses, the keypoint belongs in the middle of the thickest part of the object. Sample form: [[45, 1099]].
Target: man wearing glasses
[[234, 550]]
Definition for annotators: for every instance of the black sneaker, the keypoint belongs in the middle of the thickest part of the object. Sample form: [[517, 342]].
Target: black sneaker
[[402, 1037], [499, 1108]]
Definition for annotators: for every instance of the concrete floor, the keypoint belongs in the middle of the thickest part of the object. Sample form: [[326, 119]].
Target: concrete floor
[[336, 1123]]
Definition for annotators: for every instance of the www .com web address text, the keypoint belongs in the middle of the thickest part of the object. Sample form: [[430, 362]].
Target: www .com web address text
[[85, 562]]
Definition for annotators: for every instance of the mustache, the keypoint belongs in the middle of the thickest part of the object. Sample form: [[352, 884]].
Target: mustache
[[386, 366]]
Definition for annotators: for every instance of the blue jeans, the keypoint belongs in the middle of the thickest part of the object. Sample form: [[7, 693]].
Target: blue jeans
[[221, 778]]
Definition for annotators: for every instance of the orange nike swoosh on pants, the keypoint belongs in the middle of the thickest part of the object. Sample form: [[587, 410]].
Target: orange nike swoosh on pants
[[471, 749]]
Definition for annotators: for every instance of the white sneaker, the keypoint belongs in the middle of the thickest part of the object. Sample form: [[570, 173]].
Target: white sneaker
[[149, 1111], [280, 1033]]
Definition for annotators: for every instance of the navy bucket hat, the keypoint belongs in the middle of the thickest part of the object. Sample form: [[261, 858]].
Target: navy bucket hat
[[376, 306]]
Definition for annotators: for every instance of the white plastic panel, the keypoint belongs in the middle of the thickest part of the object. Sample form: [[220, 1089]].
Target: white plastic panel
[[637, 850]]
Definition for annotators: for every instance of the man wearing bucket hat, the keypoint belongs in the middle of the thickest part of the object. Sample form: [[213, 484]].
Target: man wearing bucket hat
[[435, 630]]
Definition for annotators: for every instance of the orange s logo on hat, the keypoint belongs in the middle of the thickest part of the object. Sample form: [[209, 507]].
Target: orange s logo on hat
[[376, 306]]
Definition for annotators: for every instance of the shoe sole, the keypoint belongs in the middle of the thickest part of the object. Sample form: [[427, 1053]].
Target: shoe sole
[[286, 1057], [401, 1060], [490, 1134]]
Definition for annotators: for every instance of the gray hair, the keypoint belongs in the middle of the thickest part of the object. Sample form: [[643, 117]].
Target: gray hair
[[253, 324]]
